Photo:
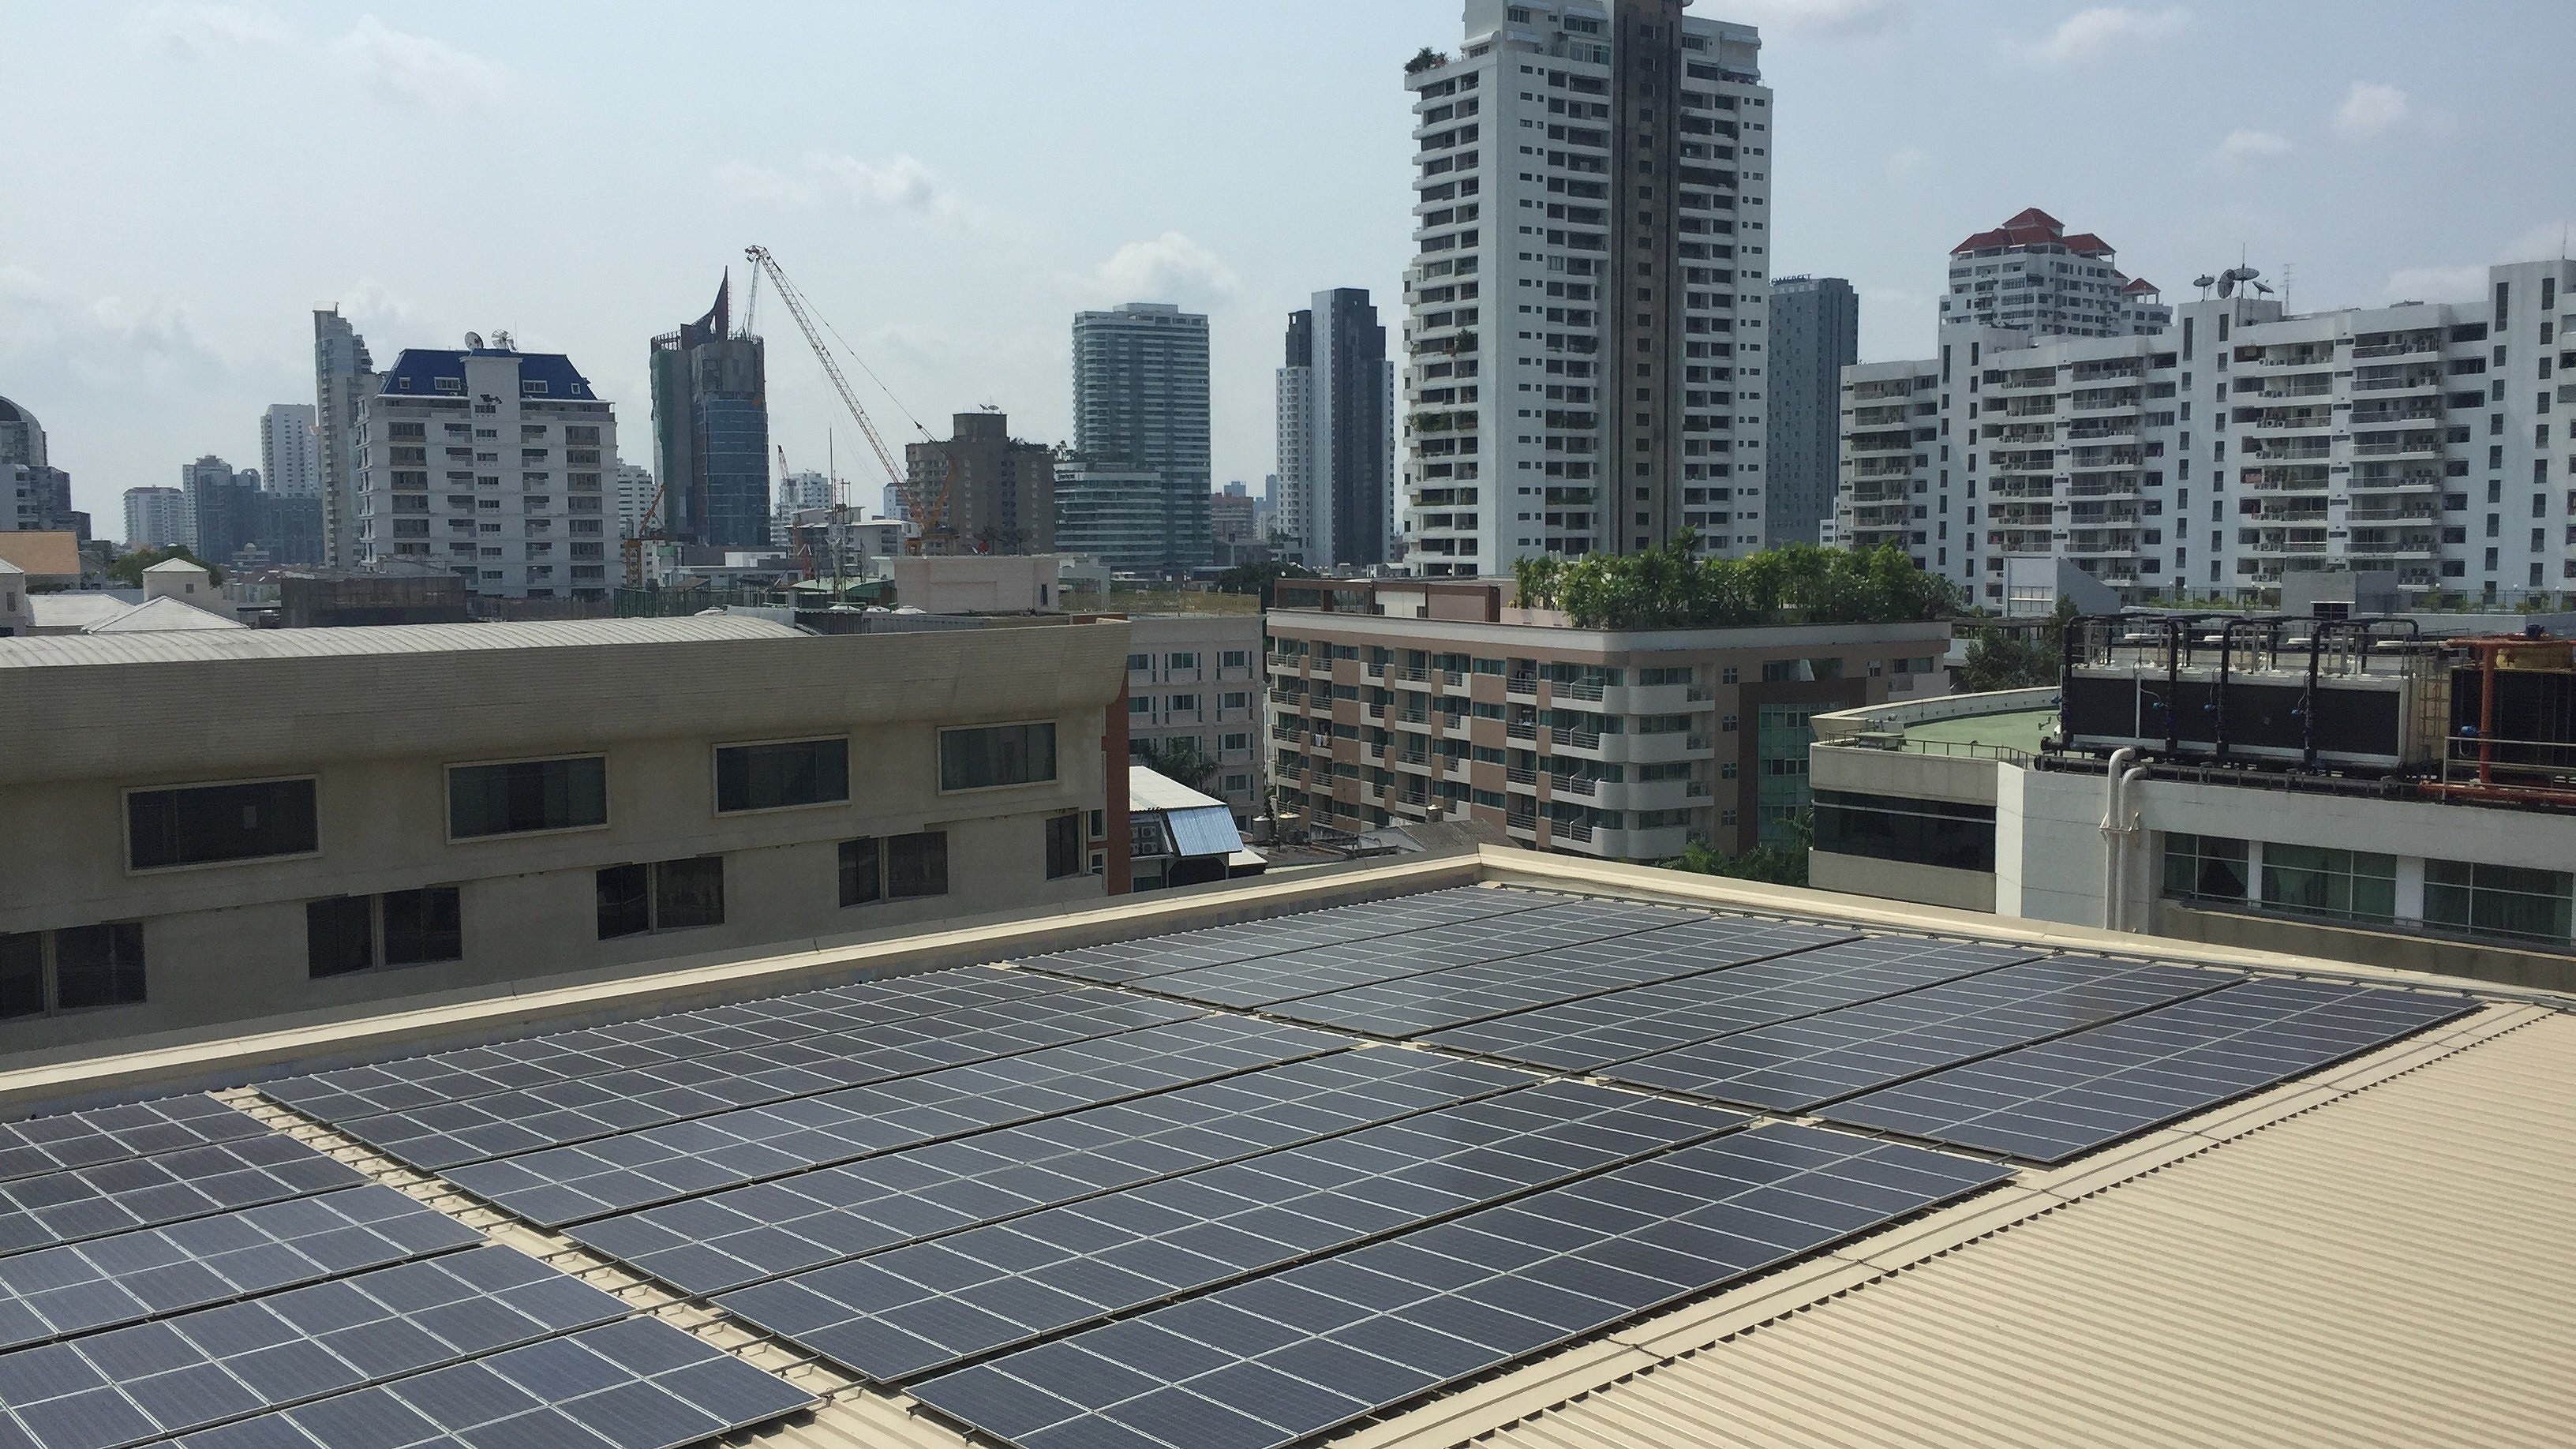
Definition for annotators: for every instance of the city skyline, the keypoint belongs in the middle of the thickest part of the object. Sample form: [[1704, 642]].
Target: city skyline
[[2245, 140]]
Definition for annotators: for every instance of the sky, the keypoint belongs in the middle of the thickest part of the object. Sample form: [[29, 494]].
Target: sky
[[948, 183]]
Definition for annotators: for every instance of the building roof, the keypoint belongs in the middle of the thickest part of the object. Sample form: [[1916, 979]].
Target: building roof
[[1150, 790], [194, 646], [163, 615], [2033, 227], [42, 553], [73, 610], [419, 370], [177, 566], [7, 567], [2376, 1252]]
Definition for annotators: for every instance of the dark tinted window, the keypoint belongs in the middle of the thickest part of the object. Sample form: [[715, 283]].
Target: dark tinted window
[[528, 795], [625, 901], [688, 893], [22, 974], [1925, 832], [339, 936], [220, 822], [860, 878], [766, 777], [98, 965], [978, 759], [1063, 846], [424, 925], [917, 865]]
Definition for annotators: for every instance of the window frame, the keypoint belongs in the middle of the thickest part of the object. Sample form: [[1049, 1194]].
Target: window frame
[[653, 891], [1055, 771], [715, 774], [48, 963], [1069, 824], [125, 800], [447, 778]]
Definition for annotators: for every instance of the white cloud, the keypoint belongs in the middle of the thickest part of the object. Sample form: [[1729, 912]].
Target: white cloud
[[420, 69], [1170, 268], [900, 185], [2370, 109], [193, 30], [2437, 284], [2092, 34], [1905, 160], [2243, 147], [1821, 17]]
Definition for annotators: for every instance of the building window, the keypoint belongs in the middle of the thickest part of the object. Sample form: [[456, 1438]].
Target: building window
[[2352, 885], [341, 935], [71, 969], [1924, 832], [1235, 659], [995, 755], [862, 872], [1233, 743], [1781, 738], [669, 895], [917, 865], [1181, 661], [2204, 867], [1063, 846], [204, 824], [777, 776], [527, 795], [1140, 663], [2513, 902]]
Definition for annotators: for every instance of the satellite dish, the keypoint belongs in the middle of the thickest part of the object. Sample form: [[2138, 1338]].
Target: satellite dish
[[2204, 281], [473, 341]]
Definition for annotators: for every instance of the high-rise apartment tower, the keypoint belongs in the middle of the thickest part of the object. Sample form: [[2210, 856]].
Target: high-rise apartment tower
[[289, 456], [1336, 398], [343, 376], [1001, 491], [1140, 402], [1815, 334]]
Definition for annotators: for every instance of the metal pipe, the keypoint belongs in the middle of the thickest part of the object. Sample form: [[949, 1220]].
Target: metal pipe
[[2487, 652], [2133, 821], [2111, 835]]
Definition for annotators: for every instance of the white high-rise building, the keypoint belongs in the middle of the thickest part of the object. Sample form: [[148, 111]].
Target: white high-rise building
[[2030, 276], [158, 518], [1584, 351], [343, 377], [1336, 403], [2235, 447], [290, 450], [634, 496], [490, 462], [796, 491]]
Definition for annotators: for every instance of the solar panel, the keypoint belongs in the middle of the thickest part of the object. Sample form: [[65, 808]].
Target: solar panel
[[2048, 1102], [636, 1384], [1121, 961], [115, 1134], [356, 1092], [116, 1197], [1797, 1065], [735, 1238], [914, 1309], [1268, 979], [1416, 1004], [83, 1287], [567, 1184], [129, 1385], [1587, 1034], [1298, 1352], [439, 1138]]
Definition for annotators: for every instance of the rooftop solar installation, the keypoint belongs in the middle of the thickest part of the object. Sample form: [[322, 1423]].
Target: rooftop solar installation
[[1798, 1065], [1122, 961], [2048, 1102], [1298, 1352], [735, 1238], [1593, 1032], [115, 1134], [117, 1197]]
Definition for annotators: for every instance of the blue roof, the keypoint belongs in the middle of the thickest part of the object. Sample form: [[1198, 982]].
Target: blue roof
[[418, 371]]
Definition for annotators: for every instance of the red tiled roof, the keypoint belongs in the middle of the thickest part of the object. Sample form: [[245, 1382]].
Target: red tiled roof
[[2030, 226], [2086, 244], [2140, 285]]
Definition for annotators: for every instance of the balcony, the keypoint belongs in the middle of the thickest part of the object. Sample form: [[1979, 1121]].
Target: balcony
[[2428, 344], [2422, 445]]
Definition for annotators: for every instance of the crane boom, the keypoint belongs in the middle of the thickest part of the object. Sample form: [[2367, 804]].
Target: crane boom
[[929, 507]]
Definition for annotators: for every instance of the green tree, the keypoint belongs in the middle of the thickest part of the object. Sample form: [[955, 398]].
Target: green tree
[[1771, 864], [1670, 588], [1179, 761], [2000, 658], [1261, 578], [128, 569]]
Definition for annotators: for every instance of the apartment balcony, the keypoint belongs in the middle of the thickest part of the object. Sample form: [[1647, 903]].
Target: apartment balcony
[[2102, 429], [2394, 480], [2106, 485], [2420, 445], [2022, 487], [2299, 479], [2274, 541], [1893, 416], [1881, 468], [2035, 407], [2422, 344], [2017, 435], [2392, 513], [1859, 445], [2030, 380], [2284, 391], [2111, 457], [2423, 379], [2102, 545], [1861, 494], [1873, 537], [2305, 511], [2021, 515], [2118, 400], [1879, 515], [2388, 416], [2299, 421], [2288, 450]]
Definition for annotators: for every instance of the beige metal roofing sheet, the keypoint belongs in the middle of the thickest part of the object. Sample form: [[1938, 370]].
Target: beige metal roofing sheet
[[197, 646]]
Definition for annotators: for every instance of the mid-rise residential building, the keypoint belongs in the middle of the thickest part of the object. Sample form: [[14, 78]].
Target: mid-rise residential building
[[1584, 347], [1120, 516], [1140, 404], [1394, 701], [290, 460], [711, 431], [1815, 334], [396, 810], [1336, 401], [1234, 527], [344, 378], [795, 493], [2028, 275], [490, 462], [34, 495], [1195, 681], [1000, 491], [157, 518], [223, 508], [634, 499]]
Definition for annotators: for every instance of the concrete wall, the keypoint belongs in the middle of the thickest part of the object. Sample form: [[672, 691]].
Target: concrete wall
[[1901, 880], [2370, 948], [1955, 778]]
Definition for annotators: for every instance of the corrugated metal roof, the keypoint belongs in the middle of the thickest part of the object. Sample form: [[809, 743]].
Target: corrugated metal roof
[[2347, 1262], [164, 615], [196, 646], [1150, 790]]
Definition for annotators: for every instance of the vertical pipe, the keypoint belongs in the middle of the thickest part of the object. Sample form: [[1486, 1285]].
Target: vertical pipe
[[2486, 711], [2113, 823]]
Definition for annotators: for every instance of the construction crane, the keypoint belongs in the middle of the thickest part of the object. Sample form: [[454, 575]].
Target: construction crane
[[928, 504]]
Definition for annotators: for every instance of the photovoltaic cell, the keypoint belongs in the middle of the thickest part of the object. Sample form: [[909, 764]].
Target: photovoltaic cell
[[735, 1238], [1265, 980], [1798, 1065], [915, 1309], [116, 1134], [638, 1169], [2048, 1102], [1462, 994], [117, 1197], [1273, 1360], [131, 1385], [636, 1384], [80, 1288], [436, 1139], [353, 1093], [1588, 1034], [1121, 961]]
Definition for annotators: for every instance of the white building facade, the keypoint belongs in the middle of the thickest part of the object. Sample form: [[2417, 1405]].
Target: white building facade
[[491, 463], [290, 458], [796, 492], [158, 518], [1583, 352]]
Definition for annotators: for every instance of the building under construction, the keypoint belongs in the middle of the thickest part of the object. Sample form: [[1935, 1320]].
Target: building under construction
[[711, 431]]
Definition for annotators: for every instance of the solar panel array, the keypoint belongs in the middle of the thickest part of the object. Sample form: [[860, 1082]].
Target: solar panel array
[[1170, 1192]]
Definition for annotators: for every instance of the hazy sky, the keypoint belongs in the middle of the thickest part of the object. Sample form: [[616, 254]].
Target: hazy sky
[[181, 183]]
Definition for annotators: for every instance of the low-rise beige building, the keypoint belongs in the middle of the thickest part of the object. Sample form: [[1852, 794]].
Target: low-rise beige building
[[206, 827], [1196, 680]]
